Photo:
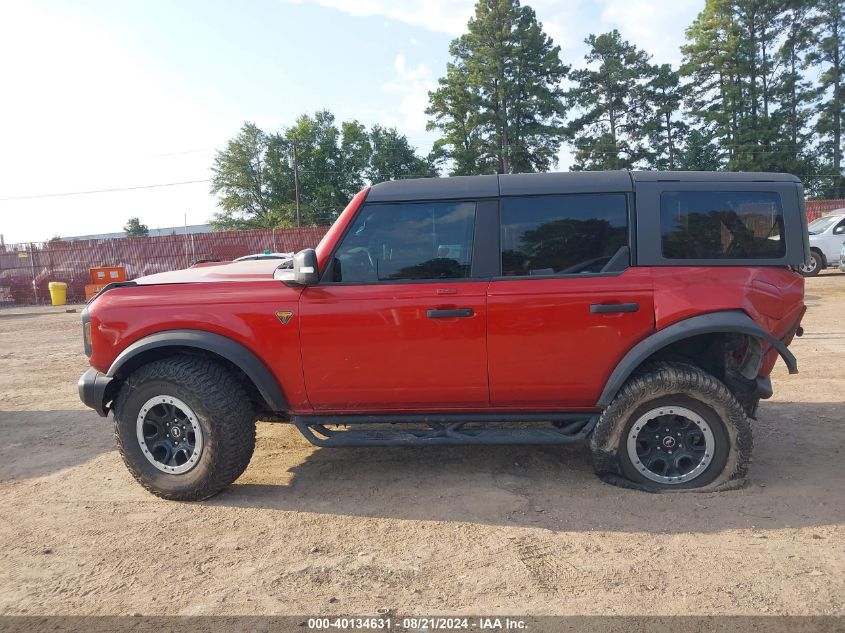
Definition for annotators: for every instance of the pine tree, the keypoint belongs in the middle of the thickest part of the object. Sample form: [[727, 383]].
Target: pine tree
[[500, 104], [610, 95], [746, 63], [829, 55], [700, 154], [665, 129]]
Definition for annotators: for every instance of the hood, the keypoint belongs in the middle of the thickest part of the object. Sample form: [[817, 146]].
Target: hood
[[253, 270]]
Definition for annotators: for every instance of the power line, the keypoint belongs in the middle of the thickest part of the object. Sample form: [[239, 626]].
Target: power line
[[205, 180], [92, 191]]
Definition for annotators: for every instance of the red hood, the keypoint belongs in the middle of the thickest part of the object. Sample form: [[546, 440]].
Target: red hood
[[250, 270]]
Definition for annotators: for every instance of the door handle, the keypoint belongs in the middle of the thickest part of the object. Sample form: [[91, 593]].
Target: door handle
[[606, 308], [456, 313]]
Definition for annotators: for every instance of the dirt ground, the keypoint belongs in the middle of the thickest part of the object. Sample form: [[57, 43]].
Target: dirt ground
[[465, 530]]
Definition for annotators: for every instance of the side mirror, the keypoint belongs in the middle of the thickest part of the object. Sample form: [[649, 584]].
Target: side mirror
[[302, 271]]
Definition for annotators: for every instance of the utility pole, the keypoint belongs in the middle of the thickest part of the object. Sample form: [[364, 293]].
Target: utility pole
[[296, 186]]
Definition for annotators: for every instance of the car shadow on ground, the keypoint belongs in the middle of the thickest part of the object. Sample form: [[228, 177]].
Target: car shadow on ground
[[796, 481], [38, 443]]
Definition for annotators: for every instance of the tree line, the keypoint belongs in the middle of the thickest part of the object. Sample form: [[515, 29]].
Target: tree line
[[760, 88], [260, 178]]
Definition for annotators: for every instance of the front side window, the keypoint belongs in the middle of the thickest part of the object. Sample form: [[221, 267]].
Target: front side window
[[722, 225], [405, 241], [566, 234]]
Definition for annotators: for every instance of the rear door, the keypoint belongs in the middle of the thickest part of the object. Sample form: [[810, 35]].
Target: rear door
[[399, 318], [567, 306]]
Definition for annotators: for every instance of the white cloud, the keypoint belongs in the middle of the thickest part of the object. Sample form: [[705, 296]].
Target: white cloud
[[446, 16], [413, 84], [656, 26]]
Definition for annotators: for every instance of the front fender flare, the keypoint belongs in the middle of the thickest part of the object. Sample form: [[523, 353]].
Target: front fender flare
[[232, 351], [725, 321]]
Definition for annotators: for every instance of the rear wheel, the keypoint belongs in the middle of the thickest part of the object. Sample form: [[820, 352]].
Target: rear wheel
[[673, 426], [814, 266], [185, 427]]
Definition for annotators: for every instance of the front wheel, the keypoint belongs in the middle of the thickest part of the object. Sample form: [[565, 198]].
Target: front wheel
[[185, 427], [671, 427]]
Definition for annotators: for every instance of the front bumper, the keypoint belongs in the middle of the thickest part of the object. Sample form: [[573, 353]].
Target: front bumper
[[92, 390]]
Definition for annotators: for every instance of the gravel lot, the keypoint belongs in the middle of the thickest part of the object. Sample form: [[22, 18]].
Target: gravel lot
[[458, 531]]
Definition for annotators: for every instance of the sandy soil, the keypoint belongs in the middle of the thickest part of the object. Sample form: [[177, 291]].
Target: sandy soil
[[457, 531]]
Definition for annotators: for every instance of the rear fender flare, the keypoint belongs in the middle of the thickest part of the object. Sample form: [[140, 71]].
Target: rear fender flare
[[237, 354], [724, 321]]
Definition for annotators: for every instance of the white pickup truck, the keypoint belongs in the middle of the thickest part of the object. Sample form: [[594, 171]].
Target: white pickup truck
[[827, 235]]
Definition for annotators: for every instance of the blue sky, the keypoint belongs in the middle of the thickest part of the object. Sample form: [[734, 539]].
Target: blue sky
[[101, 94]]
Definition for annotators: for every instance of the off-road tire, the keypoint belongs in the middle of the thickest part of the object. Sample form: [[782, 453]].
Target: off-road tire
[[679, 384], [223, 411]]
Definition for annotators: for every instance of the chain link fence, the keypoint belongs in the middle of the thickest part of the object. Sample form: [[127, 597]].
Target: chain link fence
[[27, 269]]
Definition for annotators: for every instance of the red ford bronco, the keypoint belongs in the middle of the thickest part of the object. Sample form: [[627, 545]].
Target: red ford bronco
[[640, 311]]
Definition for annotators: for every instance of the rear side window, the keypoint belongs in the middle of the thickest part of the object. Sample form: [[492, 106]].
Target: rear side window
[[565, 234], [404, 241], [721, 225]]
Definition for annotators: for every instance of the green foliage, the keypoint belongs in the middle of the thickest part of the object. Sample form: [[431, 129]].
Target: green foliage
[[750, 91], [663, 126], [500, 105], [392, 156], [610, 97], [828, 28], [700, 154], [253, 177], [760, 89], [134, 228]]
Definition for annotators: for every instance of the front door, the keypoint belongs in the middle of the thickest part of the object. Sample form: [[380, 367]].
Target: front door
[[398, 322], [567, 306]]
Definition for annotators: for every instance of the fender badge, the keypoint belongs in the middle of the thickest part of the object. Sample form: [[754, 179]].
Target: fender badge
[[284, 316]]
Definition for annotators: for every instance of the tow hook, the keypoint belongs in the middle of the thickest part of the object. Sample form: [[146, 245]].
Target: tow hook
[[799, 331]]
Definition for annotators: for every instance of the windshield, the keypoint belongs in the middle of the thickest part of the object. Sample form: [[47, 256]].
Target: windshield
[[822, 224]]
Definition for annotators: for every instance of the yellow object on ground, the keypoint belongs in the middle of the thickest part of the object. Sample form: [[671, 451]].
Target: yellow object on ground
[[58, 292]]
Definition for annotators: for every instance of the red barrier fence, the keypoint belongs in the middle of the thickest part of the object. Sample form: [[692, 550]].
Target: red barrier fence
[[817, 208], [26, 269]]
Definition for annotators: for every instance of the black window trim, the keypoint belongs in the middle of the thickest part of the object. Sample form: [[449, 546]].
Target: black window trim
[[629, 214], [391, 282], [650, 237]]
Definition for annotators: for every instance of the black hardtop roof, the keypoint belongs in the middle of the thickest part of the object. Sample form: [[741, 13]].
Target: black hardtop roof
[[549, 183]]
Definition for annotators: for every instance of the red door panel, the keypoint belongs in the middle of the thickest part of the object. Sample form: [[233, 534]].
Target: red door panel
[[547, 349], [369, 347]]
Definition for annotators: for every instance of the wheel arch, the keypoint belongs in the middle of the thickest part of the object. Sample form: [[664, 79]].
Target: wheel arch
[[256, 376], [723, 322], [816, 249]]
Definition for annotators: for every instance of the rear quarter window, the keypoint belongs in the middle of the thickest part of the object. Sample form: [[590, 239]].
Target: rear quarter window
[[721, 225]]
